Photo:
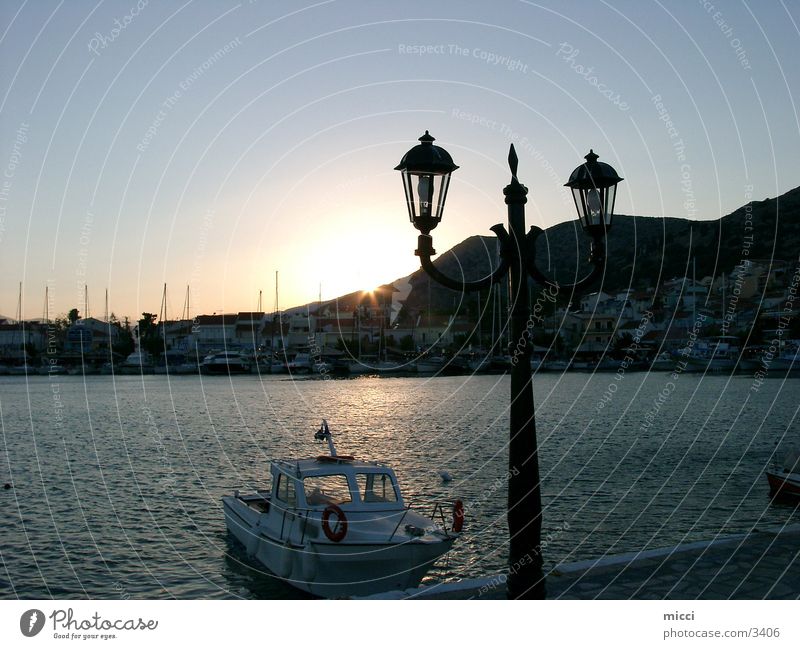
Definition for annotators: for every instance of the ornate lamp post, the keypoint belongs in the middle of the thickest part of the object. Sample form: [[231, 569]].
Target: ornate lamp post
[[426, 170]]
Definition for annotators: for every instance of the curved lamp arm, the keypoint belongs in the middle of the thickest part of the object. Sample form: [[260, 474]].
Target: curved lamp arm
[[425, 250], [597, 258]]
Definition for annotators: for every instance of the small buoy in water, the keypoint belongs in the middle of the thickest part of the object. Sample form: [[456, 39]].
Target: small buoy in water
[[445, 476], [7, 486]]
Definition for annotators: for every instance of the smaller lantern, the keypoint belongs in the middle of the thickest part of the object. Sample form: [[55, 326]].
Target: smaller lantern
[[594, 188]]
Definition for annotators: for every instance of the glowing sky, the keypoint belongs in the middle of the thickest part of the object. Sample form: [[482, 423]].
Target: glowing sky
[[212, 143]]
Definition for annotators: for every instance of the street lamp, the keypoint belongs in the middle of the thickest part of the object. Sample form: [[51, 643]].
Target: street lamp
[[426, 170]]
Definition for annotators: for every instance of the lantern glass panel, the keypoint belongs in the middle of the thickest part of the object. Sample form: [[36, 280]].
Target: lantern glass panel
[[611, 193], [594, 204], [408, 186], [425, 188], [577, 196], [441, 194]]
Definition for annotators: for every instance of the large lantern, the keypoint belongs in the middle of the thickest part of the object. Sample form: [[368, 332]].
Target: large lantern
[[594, 187], [426, 172]]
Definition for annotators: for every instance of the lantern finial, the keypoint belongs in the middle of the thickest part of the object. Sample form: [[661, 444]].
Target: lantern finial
[[513, 160]]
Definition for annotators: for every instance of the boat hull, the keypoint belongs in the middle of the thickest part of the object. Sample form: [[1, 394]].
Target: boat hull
[[327, 569], [783, 484], [225, 368]]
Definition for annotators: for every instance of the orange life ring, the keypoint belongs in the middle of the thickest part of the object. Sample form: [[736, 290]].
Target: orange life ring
[[340, 531], [458, 516]]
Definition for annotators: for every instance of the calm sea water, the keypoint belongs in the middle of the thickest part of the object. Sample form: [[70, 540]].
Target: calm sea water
[[117, 483]]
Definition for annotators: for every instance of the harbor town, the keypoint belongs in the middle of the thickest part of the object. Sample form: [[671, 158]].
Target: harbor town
[[746, 321]]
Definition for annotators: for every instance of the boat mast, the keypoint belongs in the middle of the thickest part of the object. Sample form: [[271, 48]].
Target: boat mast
[[185, 309], [85, 301], [275, 315], [316, 320], [162, 312], [162, 316], [20, 326]]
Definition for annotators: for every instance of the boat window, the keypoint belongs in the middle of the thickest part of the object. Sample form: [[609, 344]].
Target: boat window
[[376, 488], [285, 491], [327, 489]]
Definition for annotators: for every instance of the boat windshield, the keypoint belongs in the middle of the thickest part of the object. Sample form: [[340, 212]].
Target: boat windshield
[[285, 490], [376, 488], [330, 489]]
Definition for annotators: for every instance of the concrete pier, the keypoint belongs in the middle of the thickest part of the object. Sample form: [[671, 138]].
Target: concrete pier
[[764, 564]]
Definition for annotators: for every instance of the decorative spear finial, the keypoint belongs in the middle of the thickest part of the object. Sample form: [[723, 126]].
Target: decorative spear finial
[[513, 161]]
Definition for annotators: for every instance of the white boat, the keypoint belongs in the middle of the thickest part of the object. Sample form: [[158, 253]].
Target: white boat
[[85, 370], [139, 362], [716, 354], [663, 363], [440, 365], [24, 369], [536, 364], [392, 367], [226, 363], [479, 362], [788, 360], [711, 363], [356, 367], [46, 369], [335, 526], [431, 365], [302, 363]]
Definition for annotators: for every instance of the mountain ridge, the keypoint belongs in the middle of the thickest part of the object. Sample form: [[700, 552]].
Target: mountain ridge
[[642, 251]]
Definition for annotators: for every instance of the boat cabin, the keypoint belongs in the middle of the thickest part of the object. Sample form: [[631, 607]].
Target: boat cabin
[[317, 483]]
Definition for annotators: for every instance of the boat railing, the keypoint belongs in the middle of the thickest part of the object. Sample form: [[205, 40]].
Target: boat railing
[[438, 508], [402, 518]]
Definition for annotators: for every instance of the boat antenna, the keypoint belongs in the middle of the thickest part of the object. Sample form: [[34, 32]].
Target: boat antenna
[[324, 434]]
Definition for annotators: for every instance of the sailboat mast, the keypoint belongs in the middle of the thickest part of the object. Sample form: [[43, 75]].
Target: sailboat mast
[[20, 324], [186, 306], [319, 308], [162, 314], [275, 314]]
